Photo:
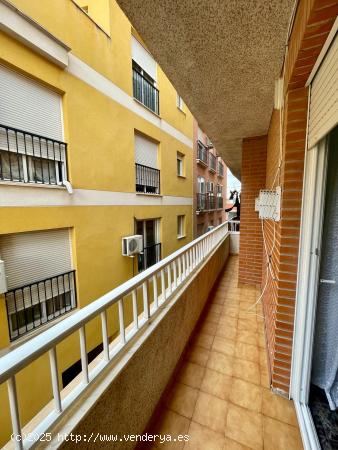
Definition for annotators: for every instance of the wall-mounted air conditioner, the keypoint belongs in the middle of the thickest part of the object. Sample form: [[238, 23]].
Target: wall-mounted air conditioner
[[132, 245]]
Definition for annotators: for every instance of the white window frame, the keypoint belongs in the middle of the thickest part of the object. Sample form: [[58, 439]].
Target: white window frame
[[179, 102], [201, 185], [180, 163], [181, 226]]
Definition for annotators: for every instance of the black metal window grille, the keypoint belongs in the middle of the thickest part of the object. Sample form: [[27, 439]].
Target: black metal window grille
[[219, 202], [151, 255], [147, 179], [30, 158], [202, 202], [144, 89], [33, 305], [220, 169], [212, 202], [212, 162], [202, 153]]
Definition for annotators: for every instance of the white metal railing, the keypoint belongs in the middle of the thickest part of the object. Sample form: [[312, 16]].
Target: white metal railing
[[234, 226], [165, 277]]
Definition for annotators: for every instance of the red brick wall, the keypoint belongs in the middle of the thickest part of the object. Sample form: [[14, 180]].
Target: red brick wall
[[253, 179]]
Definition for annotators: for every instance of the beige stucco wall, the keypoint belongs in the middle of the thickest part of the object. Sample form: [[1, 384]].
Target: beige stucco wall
[[129, 402]]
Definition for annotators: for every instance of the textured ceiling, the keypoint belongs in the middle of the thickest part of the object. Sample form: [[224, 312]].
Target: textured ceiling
[[222, 56]]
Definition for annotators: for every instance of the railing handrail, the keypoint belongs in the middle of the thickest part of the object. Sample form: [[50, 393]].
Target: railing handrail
[[18, 130], [15, 360], [145, 79]]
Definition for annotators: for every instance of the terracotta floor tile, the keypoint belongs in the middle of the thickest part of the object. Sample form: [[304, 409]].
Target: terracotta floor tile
[[216, 383], [247, 370], [215, 309], [279, 408], [265, 379], [248, 352], [171, 423], [246, 394], [191, 374], [202, 438], [204, 340], [197, 355], [226, 332], [245, 427], [209, 328], [280, 436], [182, 400], [232, 445], [245, 324], [211, 412], [228, 321], [247, 336], [261, 340], [263, 358], [221, 363], [230, 311], [223, 345], [212, 317]]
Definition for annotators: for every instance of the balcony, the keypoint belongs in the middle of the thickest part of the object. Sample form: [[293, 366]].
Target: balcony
[[151, 255], [220, 169], [212, 162], [211, 202], [145, 92], [30, 158], [33, 305], [202, 154], [166, 323], [219, 202], [147, 179]]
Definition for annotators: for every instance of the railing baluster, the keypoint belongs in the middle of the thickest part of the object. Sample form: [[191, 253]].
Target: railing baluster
[[105, 338], [146, 307], [155, 291], [175, 273], [121, 321], [184, 273], [164, 293], [55, 379], [179, 270], [169, 279], [135, 312], [84, 358], [13, 406]]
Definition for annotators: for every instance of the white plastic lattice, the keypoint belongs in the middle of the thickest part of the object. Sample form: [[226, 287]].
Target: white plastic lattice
[[268, 204]]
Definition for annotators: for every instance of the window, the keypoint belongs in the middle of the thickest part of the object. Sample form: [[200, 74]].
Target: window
[[144, 77], [180, 227], [150, 230], [180, 102], [201, 185], [31, 131], [180, 164], [41, 281], [146, 161]]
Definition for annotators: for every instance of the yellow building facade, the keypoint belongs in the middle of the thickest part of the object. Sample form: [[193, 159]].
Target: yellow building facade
[[93, 148]]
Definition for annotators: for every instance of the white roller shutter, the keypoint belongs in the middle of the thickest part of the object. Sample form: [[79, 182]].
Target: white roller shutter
[[34, 256], [324, 97], [29, 106], [145, 151], [143, 58]]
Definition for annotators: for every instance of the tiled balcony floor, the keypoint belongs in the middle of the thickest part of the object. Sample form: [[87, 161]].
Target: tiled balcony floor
[[221, 397]]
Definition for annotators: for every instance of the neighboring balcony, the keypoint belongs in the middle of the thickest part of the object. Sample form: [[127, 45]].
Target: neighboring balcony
[[32, 305], [145, 92], [212, 202], [147, 179], [220, 169], [151, 255], [202, 154], [212, 162], [219, 202], [202, 203], [30, 158]]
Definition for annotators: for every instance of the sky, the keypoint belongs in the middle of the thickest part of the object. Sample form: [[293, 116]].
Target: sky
[[232, 183]]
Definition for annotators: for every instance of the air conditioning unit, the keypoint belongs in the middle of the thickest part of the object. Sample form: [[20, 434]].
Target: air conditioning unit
[[132, 245]]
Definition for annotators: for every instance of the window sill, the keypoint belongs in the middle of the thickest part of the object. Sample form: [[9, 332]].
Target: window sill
[[181, 176], [33, 185], [181, 110], [181, 237], [146, 107], [149, 194], [92, 20]]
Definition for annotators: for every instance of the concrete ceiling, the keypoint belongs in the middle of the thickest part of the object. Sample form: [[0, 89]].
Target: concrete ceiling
[[222, 56]]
